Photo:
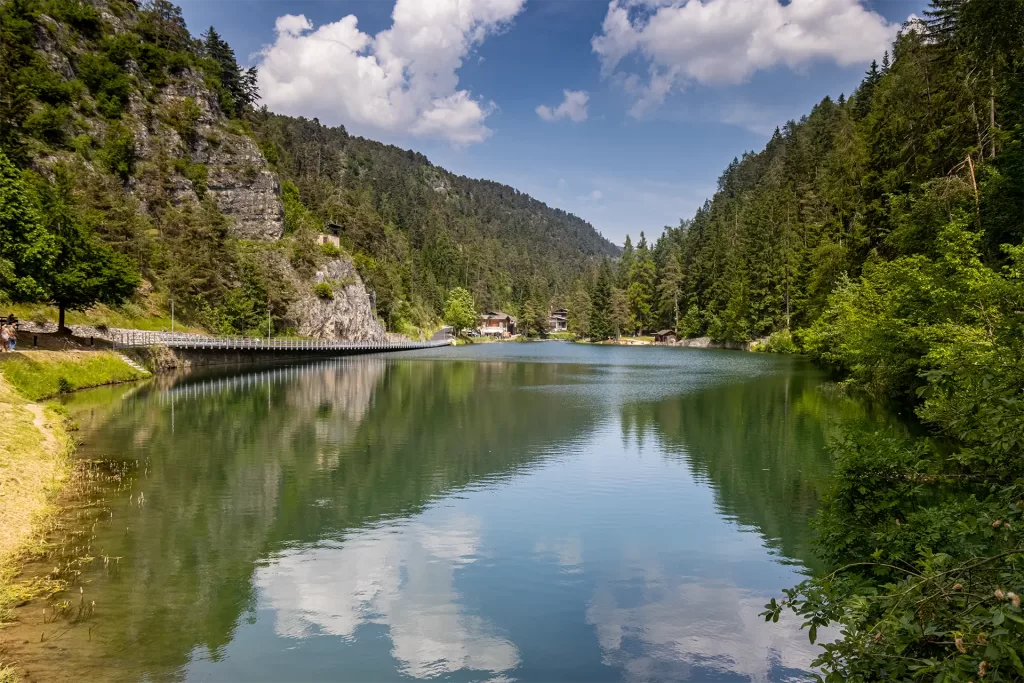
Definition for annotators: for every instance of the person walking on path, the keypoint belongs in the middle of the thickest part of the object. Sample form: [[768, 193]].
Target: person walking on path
[[12, 336], [5, 339]]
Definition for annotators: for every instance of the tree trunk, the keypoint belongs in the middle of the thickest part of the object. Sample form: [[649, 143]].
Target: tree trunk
[[992, 111], [60, 319]]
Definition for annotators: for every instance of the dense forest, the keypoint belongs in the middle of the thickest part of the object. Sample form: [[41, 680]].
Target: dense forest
[[126, 142], [932, 136], [418, 231], [883, 234]]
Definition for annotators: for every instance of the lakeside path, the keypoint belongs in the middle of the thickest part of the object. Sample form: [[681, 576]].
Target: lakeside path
[[34, 464]]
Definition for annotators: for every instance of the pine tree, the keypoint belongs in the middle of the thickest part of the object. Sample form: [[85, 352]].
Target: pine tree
[[601, 326], [640, 289], [625, 264], [670, 290]]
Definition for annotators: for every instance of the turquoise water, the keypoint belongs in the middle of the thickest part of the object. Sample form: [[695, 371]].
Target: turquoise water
[[528, 512]]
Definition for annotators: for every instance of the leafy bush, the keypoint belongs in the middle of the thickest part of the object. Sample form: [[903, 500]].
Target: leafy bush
[[330, 249], [50, 124], [76, 13], [83, 145], [323, 291], [118, 152], [779, 342], [927, 539], [108, 83], [195, 173], [183, 116]]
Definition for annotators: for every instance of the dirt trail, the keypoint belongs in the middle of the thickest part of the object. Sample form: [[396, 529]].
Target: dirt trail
[[39, 422]]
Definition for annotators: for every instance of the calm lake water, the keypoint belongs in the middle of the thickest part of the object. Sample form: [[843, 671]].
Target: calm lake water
[[527, 512]]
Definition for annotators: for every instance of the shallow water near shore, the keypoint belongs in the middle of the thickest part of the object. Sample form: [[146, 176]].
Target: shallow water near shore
[[529, 512]]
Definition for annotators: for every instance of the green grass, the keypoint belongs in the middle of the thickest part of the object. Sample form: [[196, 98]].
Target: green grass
[[41, 374], [130, 316], [34, 449]]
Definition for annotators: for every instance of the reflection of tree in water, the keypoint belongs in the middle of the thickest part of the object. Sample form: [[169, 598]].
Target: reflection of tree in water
[[760, 444], [236, 468]]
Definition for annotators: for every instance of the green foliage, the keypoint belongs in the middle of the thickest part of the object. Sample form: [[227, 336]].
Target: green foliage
[[601, 324], [927, 540], [459, 310], [323, 290], [183, 116], [76, 13], [50, 124], [27, 251], [82, 144], [880, 328], [427, 231], [118, 152], [47, 374], [194, 173], [108, 83], [330, 250], [779, 342], [691, 324], [85, 270], [235, 87]]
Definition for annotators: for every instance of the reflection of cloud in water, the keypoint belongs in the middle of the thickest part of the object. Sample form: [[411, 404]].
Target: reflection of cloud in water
[[657, 626], [568, 552], [401, 577]]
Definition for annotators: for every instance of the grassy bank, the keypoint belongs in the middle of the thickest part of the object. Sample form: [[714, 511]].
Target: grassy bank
[[34, 463], [42, 374]]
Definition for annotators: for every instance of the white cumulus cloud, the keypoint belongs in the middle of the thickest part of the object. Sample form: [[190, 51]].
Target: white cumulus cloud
[[573, 107], [726, 41], [403, 79]]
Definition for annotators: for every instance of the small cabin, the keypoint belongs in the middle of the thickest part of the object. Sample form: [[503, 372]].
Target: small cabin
[[666, 337], [330, 235], [558, 321], [497, 324]]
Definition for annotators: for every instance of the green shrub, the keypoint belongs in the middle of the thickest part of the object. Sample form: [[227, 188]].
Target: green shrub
[[108, 83], [323, 291], [330, 249], [81, 15], [49, 124], [779, 342], [83, 145], [51, 88], [118, 152], [195, 173], [183, 116]]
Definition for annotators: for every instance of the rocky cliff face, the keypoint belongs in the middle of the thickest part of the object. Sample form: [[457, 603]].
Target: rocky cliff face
[[347, 314], [146, 135], [238, 177]]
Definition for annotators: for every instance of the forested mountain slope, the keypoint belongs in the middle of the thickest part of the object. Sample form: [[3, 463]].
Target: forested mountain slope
[[140, 172], [933, 131], [418, 230]]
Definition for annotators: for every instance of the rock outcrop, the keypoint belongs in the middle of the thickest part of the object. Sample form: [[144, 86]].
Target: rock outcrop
[[346, 314], [238, 177]]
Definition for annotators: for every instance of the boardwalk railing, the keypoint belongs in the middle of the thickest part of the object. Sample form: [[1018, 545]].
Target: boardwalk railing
[[131, 338]]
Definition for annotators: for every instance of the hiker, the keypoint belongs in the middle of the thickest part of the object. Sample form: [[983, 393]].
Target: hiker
[[5, 339], [12, 336]]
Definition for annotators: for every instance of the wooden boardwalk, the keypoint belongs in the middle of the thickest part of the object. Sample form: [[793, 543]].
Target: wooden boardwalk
[[131, 339]]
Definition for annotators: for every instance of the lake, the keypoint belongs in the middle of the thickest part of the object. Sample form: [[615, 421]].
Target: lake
[[500, 512]]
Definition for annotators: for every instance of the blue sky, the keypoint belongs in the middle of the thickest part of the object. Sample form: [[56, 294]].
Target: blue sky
[[665, 92]]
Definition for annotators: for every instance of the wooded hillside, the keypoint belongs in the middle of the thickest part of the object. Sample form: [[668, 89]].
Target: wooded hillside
[[146, 138]]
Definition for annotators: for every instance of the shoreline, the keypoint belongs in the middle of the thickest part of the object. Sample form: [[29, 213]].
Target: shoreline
[[36, 464]]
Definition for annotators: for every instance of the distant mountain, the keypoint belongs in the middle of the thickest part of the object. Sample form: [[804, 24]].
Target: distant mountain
[[221, 206]]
